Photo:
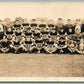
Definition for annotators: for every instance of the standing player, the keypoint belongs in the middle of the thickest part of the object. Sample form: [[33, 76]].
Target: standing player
[[62, 36], [69, 27]]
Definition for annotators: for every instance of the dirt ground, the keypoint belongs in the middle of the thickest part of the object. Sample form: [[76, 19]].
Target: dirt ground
[[41, 65]]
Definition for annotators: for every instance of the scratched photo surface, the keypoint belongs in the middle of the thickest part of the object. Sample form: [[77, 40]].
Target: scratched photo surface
[[42, 39]]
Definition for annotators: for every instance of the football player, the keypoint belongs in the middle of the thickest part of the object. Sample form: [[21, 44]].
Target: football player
[[62, 36], [5, 45], [50, 47], [33, 25], [51, 25], [27, 45], [16, 45], [61, 30], [9, 33], [69, 27]]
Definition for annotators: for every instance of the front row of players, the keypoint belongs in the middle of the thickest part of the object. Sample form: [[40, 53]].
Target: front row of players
[[59, 39]]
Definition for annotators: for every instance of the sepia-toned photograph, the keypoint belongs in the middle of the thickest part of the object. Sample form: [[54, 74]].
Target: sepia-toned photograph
[[41, 41]]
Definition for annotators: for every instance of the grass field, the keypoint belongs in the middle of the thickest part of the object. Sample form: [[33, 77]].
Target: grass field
[[41, 65]]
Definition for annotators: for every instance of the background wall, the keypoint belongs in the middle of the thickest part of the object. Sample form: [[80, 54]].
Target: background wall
[[51, 10]]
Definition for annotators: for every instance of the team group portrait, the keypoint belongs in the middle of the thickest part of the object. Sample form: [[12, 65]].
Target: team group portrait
[[42, 36], [41, 41]]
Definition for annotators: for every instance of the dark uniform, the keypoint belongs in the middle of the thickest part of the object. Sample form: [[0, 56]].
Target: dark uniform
[[50, 47], [16, 46], [5, 45], [82, 28], [33, 27], [70, 29]]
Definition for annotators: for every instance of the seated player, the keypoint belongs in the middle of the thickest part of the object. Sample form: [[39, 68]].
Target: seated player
[[50, 47], [45, 36], [53, 35], [72, 45], [27, 45], [5, 45], [9, 33], [16, 46], [39, 44], [62, 44], [18, 33], [80, 47]]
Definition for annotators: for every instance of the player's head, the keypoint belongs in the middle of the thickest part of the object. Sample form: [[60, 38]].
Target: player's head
[[59, 20], [69, 21], [77, 21], [18, 30], [81, 40], [9, 29]]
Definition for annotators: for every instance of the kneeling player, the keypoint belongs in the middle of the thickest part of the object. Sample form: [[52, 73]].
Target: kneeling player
[[50, 47], [72, 46], [27, 45], [80, 48], [39, 44], [5, 45]]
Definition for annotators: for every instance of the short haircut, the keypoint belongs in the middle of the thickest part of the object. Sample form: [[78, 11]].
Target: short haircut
[[68, 19], [59, 18], [77, 20]]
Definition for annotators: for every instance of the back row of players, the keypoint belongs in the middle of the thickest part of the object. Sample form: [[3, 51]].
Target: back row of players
[[21, 36]]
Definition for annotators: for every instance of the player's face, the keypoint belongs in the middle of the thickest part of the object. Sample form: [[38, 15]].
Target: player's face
[[59, 21], [9, 29], [18, 30], [77, 22], [69, 21]]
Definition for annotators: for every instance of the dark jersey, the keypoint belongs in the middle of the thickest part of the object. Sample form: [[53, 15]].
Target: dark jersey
[[5, 44], [61, 29], [77, 37], [25, 24], [16, 44], [18, 34], [82, 28], [1, 35], [9, 33], [50, 27], [28, 34], [42, 27]]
